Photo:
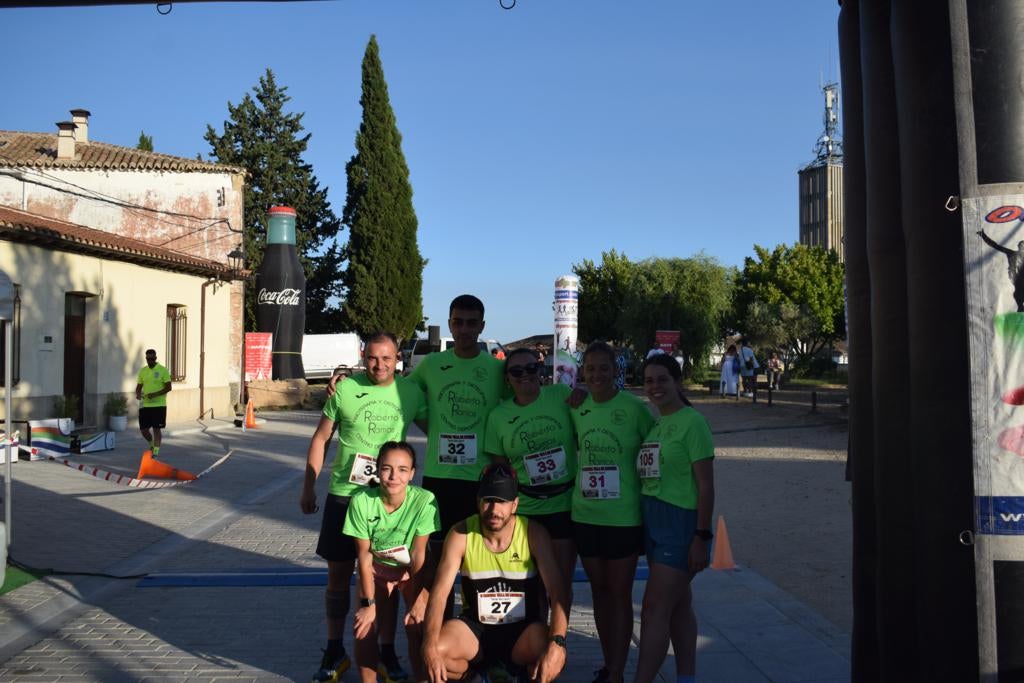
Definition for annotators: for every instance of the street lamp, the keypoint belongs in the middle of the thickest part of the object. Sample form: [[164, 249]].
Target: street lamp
[[236, 261]]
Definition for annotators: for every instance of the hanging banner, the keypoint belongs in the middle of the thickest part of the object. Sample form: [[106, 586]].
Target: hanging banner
[[994, 254], [566, 308], [666, 340], [259, 348]]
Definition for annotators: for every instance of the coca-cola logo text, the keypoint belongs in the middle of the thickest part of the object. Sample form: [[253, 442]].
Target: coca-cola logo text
[[286, 297]]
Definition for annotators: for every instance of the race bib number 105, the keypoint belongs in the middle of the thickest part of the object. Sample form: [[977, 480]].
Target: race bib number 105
[[456, 449], [648, 461]]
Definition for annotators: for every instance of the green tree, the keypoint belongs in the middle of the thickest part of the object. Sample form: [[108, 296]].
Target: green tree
[[145, 142], [791, 296], [603, 291], [384, 278], [266, 140]]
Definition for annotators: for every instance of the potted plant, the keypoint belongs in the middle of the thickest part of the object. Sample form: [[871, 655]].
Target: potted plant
[[116, 410], [67, 409]]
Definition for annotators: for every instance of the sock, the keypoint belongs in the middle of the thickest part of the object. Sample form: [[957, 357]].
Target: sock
[[335, 649], [156, 451], [680, 678]]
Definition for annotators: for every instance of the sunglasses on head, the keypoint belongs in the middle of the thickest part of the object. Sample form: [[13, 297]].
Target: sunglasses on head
[[527, 369], [498, 468]]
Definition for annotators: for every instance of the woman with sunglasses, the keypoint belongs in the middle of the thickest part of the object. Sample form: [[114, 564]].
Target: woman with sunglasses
[[532, 432], [678, 497], [610, 425]]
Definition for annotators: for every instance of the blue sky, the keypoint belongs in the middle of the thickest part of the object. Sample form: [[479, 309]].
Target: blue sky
[[535, 137]]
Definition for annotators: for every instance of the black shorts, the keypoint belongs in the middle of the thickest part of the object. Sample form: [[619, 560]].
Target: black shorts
[[559, 525], [456, 500], [333, 545], [496, 642], [609, 542], [153, 417]]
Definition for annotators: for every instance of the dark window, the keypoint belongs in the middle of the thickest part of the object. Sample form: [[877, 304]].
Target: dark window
[[15, 345], [177, 326]]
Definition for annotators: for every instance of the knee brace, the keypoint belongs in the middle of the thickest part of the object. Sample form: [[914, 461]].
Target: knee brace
[[336, 604]]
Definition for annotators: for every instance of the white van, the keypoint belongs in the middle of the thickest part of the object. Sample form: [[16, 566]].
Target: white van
[[416, 349]]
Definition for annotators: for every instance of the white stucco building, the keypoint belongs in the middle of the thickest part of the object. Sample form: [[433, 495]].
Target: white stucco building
[[115, 250]]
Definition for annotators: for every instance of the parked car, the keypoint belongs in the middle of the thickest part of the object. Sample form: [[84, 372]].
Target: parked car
[[327, 354]]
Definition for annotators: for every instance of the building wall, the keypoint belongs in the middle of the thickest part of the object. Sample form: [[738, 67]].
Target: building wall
[[821, 207], [126, 313]]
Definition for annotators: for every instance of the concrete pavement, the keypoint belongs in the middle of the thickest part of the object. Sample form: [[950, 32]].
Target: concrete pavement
[[244, 515]]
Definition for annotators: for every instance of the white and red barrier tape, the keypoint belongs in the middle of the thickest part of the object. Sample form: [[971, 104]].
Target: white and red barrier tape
[[127, 480]]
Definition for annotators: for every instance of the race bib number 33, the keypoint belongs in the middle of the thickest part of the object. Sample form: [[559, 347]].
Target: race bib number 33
[[546, 466], [648, 461], [456, 449], [501, 608]]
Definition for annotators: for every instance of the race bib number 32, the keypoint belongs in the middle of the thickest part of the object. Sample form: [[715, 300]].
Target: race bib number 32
[[364, 469], [456, 449], [648, 461], [600, 482], [501, 608], [545, 466]]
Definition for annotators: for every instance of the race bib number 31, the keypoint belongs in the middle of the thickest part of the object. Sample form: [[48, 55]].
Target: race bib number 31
[[600, 482], [545, 466], [364, 469], [456, 449], [648, 461], [500, 608]]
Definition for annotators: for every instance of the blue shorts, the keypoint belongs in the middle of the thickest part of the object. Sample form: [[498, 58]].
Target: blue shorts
[[668, 532]]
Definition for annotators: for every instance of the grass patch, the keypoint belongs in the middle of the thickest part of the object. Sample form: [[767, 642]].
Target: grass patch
[[16, 578]]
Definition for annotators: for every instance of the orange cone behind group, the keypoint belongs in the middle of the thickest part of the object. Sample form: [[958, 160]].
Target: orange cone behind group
[[721, 558], [158, 470], [250, 416]]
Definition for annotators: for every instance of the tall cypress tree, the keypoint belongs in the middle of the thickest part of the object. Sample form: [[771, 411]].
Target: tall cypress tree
[[385, 270], [269, 142]]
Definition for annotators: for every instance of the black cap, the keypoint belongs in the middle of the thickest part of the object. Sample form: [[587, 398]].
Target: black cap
[[499, 482]]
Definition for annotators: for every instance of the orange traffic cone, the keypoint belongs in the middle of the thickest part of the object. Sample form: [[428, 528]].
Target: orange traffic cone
[[721, 558], [250, 416], [158, 470]]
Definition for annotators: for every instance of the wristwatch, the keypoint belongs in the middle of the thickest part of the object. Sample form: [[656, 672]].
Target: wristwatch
[[365, 602], [557, 640], [703, 534]]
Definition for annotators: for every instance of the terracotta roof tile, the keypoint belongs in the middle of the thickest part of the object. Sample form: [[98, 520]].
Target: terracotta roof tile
[[21, 226], [40, 150]]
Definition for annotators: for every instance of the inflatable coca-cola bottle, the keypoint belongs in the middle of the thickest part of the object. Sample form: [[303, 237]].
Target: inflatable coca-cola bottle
[[281, 294]]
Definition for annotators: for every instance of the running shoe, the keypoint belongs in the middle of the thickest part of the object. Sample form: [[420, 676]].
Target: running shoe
[[331, 668], [391, 671]]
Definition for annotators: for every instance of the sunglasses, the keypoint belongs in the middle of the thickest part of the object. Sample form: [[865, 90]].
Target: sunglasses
[[498, 468], [527, 369]]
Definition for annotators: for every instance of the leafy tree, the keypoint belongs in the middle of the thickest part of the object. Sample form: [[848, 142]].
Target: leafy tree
[[793, 296], [384, 278], [145, 142], [603, 292], [266, 140]]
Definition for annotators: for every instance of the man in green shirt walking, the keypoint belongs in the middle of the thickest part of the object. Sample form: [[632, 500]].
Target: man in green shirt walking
[[153, 384]]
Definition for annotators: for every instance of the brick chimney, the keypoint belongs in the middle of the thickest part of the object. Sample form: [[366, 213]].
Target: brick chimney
[[65, 140], [80, 117]]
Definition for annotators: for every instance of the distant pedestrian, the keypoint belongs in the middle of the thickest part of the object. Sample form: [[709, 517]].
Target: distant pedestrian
[[730, 376], [774, 371], [748, 368], [677, 354], [655, 351], [621, 363], [153, 384]]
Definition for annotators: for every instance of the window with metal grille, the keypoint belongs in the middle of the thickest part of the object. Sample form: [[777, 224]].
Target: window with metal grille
[[177, 326], [15, 343]]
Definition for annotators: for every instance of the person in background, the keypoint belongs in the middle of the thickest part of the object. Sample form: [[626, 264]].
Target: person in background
[[677, 487], [748, 368], [774, 371], [152, 389], [730, 376]]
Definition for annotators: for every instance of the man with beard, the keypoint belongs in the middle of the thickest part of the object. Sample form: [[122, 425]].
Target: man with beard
[[507, 567]]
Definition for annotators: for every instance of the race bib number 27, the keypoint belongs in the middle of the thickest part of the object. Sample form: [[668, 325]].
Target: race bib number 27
[[501, 608], [456, 449]]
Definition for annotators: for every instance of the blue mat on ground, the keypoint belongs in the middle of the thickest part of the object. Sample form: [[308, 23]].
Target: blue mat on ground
[[275, 576]]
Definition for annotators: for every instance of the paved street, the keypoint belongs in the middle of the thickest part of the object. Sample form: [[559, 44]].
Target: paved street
[[244, 515]]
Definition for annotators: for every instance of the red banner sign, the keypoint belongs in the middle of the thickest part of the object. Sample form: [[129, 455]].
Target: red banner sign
[[259, 348], [666, 339]]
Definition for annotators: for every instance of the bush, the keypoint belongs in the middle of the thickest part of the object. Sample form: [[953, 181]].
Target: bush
[[117, 404], [66, 406]]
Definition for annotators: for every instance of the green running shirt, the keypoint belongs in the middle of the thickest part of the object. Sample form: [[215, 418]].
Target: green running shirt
[[500, 588], [391, 534], [666, 457], [538, 441], [368, 416], [607, 490], [152, 380], [461, 392]]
